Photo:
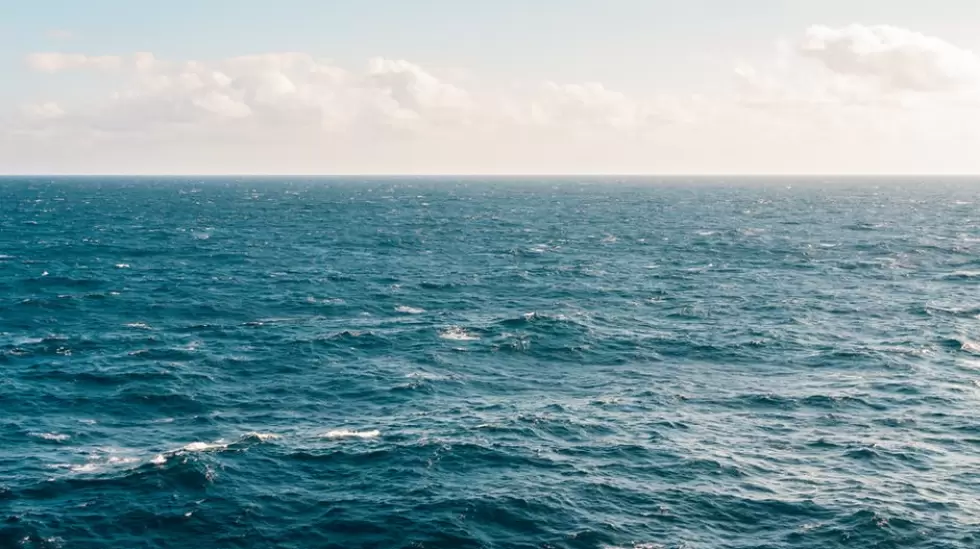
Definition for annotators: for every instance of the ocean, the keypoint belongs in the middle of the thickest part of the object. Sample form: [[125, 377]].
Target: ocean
[[635, 363]]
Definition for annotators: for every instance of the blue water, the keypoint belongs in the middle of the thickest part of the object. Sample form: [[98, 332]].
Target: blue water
[[577, 363]]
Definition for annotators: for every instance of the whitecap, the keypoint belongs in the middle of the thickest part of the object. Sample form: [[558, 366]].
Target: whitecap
[[159, 459], [122, 265], [347, 433], [964, 274], [139, 325], [455, 333], [57, 437], [970, 347], [426, 376], [262, 436], [409, 310], [203, 446]]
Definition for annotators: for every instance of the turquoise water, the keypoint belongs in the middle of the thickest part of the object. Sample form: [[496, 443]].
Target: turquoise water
[[508, 363]]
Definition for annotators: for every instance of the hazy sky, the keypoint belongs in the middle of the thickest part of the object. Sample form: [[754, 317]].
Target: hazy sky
[[508, 86]]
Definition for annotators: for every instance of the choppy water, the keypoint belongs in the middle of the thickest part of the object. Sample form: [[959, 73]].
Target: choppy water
[[419, 363]]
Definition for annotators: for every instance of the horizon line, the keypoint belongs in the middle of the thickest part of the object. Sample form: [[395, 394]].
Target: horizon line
[[494, 175]]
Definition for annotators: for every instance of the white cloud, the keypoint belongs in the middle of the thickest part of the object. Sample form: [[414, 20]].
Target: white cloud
[[878, 98], [897, 58], [586, 107], [296, 89], [43, 111], [55, 62]]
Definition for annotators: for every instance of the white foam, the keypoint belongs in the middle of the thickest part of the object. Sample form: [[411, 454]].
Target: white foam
[[455, 333], [970, 347], [635, 546], [51, 436], [347, 433], [204, 446], [122, 265], [263, 436], [139, 326], [86, 468], [159, 459], [409, 310], [426, 376]]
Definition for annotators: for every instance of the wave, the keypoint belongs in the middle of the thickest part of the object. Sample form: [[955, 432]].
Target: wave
[[456, 333], [55, 437], [347, 433], [962, 312], [108, 458], [970, 347], [203, 447], [962, 275], [261, 437], [528, 319], [409, 310]]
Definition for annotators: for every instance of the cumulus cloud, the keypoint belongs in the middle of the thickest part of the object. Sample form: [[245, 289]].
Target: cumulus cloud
[[296, 89], [845, 99], [899, 59]]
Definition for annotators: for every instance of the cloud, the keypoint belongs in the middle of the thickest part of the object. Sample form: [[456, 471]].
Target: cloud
[[51, 62], [387, 96], [43, 111], [854, 99], [897, 58]]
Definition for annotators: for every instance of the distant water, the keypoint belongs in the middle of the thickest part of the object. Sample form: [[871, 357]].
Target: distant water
[[497, 364]]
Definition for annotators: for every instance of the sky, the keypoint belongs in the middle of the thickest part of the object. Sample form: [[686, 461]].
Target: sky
[[503, 87]]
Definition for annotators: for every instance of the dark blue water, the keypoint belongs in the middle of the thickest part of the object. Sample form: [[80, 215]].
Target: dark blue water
[[500, 364]]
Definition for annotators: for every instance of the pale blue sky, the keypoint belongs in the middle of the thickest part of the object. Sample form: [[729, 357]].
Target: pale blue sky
[[639, 48], [627, 44]]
